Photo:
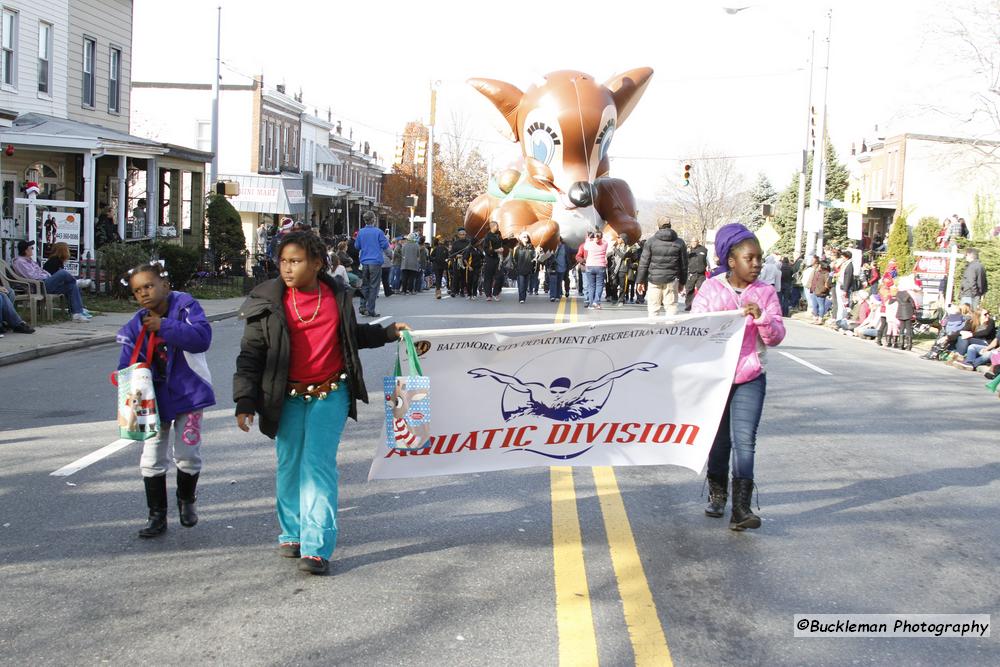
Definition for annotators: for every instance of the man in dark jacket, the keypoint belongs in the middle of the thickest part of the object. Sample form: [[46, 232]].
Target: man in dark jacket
[[785, 295], [663, 266], [697, 266], [459, 264], [492, 276], [973, 285], [557, 264]]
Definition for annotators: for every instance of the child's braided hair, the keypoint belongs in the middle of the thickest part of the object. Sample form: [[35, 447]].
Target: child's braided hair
[[313, 245], [155, 266]]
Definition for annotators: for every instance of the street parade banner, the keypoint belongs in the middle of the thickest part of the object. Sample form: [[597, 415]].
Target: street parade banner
[[612, 393]]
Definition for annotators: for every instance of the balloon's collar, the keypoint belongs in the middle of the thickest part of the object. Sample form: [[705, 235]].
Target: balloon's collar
[[521, 191]]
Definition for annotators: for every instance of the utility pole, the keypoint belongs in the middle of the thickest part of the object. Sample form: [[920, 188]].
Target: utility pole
[[430, 163], [800, 215], [213, 175], [814, 238]]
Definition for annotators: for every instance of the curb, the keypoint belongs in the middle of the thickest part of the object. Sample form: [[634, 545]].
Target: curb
[[58, 348]]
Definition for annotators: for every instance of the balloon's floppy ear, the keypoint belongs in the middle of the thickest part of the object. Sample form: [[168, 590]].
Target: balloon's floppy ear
[[627, 89], [505, 97]]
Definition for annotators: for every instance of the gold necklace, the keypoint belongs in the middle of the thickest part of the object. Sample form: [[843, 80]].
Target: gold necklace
[[295, 304]]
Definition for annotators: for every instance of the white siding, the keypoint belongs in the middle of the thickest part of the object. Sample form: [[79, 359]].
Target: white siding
[[26, 98], [109, 23]]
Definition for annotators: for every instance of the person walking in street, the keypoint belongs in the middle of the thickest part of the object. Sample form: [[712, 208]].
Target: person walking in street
[[558, 264], [60, 282], [459, 266], [370, 241], [616, 255], [663, 268], [183, 387], [594, 252], [492, 249], [524, 263], [973, 285], [409, 251], [697, 264], [735, 285], [439, 260], [475, 262], [300, 371]]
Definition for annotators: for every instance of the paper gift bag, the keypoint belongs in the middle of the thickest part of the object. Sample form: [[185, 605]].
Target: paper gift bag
[[407, 403], [137, 415]]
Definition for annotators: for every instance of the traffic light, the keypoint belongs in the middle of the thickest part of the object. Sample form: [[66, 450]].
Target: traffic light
[[687, 174], [421, 153], [812, 127], [411, 201]]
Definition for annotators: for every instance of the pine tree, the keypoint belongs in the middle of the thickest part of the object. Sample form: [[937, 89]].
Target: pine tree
[[785, 213], [225, 236], [761, 193], [899, 246]]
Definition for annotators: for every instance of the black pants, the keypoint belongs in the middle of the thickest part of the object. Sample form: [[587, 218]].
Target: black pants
[[439, 276], [492, 277], [693, 284], [386, 288], [612, 285], [458, 280], [474, 281], [410, 280], [906, 329]]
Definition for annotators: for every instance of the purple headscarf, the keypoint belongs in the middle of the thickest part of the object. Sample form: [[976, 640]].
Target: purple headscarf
[[728, 237]]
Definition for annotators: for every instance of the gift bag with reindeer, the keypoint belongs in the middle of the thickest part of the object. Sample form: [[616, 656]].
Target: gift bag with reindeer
[[138, 418], [408, 403]]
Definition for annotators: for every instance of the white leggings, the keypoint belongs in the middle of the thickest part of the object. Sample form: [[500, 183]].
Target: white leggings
[[186, 448]]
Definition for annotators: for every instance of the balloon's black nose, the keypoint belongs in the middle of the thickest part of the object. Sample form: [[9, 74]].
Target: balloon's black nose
[[581, 193]]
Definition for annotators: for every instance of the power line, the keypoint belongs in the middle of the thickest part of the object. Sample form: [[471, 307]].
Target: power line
[[693, 158]]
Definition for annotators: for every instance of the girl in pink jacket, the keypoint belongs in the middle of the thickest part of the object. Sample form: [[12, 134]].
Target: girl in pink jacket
[[734, 286]]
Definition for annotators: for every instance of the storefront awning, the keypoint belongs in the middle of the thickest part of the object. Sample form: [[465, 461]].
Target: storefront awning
[[268, 194], [325, 189], [325, 156]]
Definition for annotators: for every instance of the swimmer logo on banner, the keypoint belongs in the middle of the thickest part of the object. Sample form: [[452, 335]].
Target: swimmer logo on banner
[[614, 393]]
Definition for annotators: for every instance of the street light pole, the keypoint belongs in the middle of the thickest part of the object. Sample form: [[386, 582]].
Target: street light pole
[[814, 239], [800, 214], [213, 175], [430, 163]]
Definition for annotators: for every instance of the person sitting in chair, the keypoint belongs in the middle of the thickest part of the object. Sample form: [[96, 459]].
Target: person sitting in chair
[[60, 282]]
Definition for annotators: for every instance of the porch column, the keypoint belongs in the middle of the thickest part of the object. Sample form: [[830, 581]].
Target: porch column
[[88, 199], [152, 196], [197, 210], [121, 196], [176, 201]]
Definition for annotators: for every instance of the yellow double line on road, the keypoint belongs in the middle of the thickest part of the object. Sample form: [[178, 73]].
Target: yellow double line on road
[[574, 616]]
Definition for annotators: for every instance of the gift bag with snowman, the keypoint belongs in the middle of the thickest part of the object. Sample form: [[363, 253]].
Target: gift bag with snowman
[[137, 415]]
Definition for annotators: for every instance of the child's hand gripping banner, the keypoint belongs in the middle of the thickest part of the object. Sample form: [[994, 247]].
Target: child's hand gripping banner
[[407, 403], [137, 415], [608, 393]]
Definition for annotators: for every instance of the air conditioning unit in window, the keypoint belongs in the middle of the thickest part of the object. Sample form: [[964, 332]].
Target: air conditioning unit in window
[[227, 188]]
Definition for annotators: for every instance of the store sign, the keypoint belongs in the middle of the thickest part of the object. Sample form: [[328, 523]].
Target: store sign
[[65, 228]]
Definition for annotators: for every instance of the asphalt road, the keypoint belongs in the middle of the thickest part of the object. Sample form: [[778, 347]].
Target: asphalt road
[[878, 488]]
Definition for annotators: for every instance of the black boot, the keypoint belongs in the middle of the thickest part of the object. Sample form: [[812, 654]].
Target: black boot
[[156, 500], [742, 517], [186, 498], [717, 496]]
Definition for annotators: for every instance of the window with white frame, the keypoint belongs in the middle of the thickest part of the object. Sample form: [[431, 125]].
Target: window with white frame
[[87, 93], [44, 58], [114, 80], [8, 48], [204, 137]]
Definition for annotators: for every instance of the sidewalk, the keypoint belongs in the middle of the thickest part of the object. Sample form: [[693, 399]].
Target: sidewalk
[[65, 336]]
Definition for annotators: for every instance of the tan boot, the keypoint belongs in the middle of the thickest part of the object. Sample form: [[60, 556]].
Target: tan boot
[[437, 293]]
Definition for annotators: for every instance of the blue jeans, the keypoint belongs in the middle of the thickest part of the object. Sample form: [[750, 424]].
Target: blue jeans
[[62, 282], [821, 304], [976, 356], [522, 287], [962, 345], [8, 314], [306, 446], [371, 276], [593, 284], [395, 278], [972, 301], [737, 433], [533, 282], [555, 284]]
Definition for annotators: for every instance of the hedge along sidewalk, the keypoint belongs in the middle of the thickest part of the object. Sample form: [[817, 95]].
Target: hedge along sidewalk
[[67, 336]]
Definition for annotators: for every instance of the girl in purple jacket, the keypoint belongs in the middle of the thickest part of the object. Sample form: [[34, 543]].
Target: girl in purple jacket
[[183, 388], [734, 286]]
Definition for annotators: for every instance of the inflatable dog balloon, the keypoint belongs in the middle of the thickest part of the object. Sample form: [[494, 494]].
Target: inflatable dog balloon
[[565, 127]]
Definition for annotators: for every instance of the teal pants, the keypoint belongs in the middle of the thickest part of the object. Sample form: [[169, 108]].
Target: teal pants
[[307, 442]]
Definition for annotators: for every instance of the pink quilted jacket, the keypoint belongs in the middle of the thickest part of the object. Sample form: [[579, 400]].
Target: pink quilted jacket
[[769, 330]]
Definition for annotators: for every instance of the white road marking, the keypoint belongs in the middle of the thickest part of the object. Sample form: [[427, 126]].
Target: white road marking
[[380, 320], [805, 363], [93, 457]]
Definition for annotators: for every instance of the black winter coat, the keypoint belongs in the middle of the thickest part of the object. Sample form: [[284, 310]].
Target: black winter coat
[[664, 259], [262, 366], [697, 260], [524, 260], [973, 280]]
